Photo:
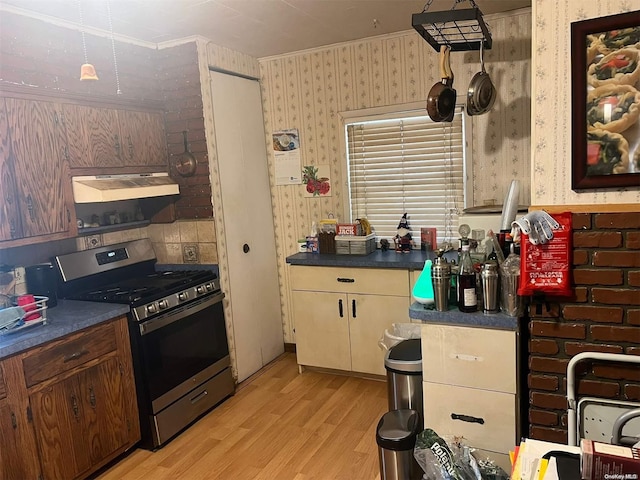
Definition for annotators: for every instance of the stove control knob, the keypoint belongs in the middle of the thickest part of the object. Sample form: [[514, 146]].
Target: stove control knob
[[199, 289], [163, 304], [182, 296], [151, 308], [209, 287]]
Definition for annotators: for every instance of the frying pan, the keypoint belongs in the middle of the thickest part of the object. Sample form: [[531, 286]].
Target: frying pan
[[481, 93], [441, 102]]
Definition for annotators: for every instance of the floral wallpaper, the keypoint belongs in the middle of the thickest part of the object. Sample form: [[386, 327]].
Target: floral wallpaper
[[308, 90], [551, 108]]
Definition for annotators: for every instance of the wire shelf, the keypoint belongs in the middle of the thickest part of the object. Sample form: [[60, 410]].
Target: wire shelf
[[460, 30]]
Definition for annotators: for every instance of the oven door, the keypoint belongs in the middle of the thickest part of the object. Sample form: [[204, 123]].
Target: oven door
[[181, 349]]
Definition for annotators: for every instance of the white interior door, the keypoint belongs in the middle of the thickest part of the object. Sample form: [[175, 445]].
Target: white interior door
[[248, 222]]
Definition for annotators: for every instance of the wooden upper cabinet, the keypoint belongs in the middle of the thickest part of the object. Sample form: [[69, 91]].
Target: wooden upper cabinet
[[93, 136], [10, 223], [143, 139], [37, 142]]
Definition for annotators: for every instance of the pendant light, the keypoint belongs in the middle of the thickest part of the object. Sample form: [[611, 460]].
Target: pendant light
[[87, 70]]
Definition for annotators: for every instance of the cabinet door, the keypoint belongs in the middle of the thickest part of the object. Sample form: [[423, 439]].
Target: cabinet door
[[322, 329], [37, 141], [93, 136], [103, 403], [59, 425], [373, 314], [143, 139], [10, 224], [18, 452]]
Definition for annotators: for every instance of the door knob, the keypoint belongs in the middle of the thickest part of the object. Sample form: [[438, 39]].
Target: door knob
[[245, 248]]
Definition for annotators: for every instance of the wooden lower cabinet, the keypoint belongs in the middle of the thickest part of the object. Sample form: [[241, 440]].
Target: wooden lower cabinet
[[82, 417], [341, 314], [85, 415]]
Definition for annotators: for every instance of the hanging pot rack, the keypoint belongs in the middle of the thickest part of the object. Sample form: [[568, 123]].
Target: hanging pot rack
[[460, 30]]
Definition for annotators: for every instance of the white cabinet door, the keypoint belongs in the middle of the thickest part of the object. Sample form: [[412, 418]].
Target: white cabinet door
[[322, 329], [373, 314], [254, 292]]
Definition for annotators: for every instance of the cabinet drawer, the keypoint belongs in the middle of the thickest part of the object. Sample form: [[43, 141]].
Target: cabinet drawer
[[470, 357], [63, 355], [448, 410], [378, 281]]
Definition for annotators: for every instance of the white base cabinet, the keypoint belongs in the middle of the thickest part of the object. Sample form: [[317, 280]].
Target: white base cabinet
[[341, 313], [470, 386]]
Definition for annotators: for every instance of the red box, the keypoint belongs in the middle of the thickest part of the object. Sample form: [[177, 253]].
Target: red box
[[428, 239], [348, 229]]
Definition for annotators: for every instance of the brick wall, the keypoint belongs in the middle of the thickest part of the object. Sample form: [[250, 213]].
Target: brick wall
[[603, 316], [180, 84]]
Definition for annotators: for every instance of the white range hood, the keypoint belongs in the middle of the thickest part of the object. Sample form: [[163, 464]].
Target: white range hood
[[111, 188]]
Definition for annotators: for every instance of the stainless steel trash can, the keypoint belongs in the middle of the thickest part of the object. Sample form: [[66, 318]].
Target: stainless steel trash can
[[403, 363], [396, 437]]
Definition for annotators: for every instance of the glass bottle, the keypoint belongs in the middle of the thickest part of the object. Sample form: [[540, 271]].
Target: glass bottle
[[467, 296]]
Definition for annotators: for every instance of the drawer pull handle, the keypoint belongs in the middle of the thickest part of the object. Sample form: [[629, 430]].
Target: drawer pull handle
[[353, 308], [75, 355], [340, 308], [74, 406], [199, 397], [14, 421], [467, 418], [92, 397], [346, 280]]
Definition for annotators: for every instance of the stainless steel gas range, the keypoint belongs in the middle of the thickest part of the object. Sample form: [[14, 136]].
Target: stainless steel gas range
[[177, 330]]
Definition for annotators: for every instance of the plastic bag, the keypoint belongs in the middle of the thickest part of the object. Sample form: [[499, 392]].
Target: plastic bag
[[397, 333], [452, 460]]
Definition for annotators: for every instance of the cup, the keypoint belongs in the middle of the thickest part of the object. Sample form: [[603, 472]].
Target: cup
[[28, 304]]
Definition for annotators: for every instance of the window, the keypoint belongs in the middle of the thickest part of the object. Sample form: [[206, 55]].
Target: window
[[407, 163]]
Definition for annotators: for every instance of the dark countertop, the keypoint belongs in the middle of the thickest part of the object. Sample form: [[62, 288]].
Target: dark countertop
[[377, 259], [501, 321], [67, 317]]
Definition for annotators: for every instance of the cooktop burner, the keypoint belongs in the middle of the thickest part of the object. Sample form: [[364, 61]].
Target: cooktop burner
[[145, 288]]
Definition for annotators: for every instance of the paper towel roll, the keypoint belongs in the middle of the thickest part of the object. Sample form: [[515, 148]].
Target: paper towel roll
[[510, 205]]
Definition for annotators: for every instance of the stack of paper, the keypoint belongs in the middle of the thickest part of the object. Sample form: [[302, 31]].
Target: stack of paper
[[539, 460]]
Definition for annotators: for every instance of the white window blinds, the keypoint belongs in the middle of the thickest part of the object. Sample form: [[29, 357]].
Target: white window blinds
[[407, 164]]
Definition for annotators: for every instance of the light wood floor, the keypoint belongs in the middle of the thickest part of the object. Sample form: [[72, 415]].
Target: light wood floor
[[280, 425]]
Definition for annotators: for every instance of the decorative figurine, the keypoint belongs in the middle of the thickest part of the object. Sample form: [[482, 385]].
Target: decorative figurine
[[402, 239], [384, 244]]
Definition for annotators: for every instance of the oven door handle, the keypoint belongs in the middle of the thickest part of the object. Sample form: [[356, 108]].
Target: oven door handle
[[164, 320]]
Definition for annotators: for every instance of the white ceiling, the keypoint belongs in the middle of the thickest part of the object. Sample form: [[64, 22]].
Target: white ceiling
[[258, 28]]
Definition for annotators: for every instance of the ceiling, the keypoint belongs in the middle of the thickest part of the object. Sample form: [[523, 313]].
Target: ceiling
[[259, 28]]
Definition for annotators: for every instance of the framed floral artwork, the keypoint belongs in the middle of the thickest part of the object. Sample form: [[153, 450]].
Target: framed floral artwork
[[316, 180], [605, 77]]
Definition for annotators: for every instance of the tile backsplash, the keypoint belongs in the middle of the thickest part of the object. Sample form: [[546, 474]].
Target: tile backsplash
[[183, 241]]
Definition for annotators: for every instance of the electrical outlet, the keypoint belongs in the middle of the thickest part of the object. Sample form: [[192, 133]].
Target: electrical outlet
[[93, 241], [190, 253], [18, 275]]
